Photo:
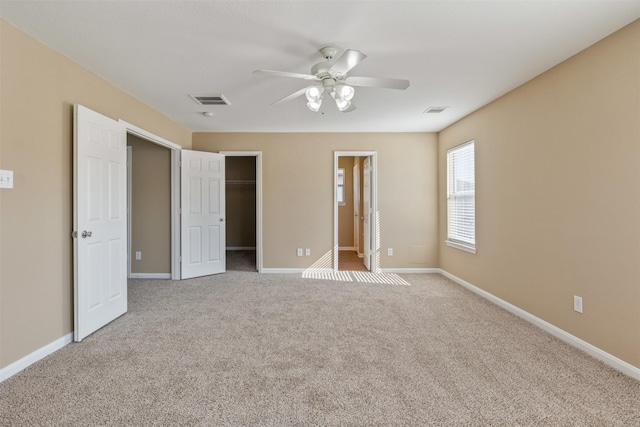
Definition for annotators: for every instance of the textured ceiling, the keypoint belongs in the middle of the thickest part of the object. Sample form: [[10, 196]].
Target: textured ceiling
[[461, 54]]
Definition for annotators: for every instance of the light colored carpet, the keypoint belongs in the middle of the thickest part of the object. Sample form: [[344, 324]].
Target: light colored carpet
[[249, 349]]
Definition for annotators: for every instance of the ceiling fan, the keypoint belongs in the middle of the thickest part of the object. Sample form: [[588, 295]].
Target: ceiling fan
[[330, 78]]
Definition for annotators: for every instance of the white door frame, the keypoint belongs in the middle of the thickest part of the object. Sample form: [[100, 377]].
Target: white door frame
[[356, 205], [175, 191], [129, 203], [374, 204], [258, 156]]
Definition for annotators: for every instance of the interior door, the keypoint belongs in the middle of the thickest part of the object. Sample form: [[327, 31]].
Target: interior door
[[356, 206], [100, 221], [203, 238], [366, 210]]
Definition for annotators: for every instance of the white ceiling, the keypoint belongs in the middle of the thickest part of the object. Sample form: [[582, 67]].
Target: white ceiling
[[461, 54]]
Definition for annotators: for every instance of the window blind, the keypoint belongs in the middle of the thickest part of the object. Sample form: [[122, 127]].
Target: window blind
[[461, 195]]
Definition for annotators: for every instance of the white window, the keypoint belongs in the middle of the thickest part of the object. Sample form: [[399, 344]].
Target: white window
[[340, 192], [461, 197]]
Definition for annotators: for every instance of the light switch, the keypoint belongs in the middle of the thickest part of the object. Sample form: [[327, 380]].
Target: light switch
[[6, 179]]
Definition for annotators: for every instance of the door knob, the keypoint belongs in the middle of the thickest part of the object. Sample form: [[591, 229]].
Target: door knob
[[221, 219], [86, 234]]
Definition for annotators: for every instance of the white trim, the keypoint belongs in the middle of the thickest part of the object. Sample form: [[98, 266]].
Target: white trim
[[360, 255], [176, 259], [411, 270], [30, 359], [241, 248], [355, 179], [135, 130], [461, 246], [374, 205], [347, 248], [563, 335], [129, 203], [258, 156], [150, 276], [285, 270]]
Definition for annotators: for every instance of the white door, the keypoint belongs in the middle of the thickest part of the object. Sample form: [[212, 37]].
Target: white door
[[366, 210], [356, 206], [203, 228], [100, 221]]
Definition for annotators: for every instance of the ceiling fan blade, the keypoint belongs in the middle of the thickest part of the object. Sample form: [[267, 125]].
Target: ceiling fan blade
[[377, 82], [286, 74], [290, 97], [348, 60]]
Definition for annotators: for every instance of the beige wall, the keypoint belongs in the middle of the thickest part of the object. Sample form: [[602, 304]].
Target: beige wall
[[558, 206], [240, 201], [298, 192], [345, 211], [151, 206], [38, 88]]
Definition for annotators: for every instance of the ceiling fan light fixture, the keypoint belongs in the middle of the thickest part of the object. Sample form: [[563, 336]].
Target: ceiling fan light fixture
[[314, 105], [314, 94], [345, 92], [331, 79], [343, 104]]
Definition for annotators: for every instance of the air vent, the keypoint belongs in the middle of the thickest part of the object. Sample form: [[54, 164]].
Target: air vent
[[210, 99], [435, 110]]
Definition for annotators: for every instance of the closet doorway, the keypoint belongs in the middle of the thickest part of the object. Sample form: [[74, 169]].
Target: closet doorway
[[149, 212], [243, 170]]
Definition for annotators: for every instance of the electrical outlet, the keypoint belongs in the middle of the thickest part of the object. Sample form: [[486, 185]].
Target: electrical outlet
[[299, 251], [307, 252], [138, 255], [390, 251], [6, 179], [577, 304]]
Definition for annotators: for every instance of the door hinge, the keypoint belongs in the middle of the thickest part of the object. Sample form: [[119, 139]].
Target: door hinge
[[74, 234]]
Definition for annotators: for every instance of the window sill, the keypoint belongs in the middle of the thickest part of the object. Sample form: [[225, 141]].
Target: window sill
[[461, 246]]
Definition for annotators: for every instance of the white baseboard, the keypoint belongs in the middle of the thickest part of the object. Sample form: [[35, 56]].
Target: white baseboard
[[30, 359], [411, 270], [360, 254], [150, 276], [346, 248], [603, 356], [241, 248]]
